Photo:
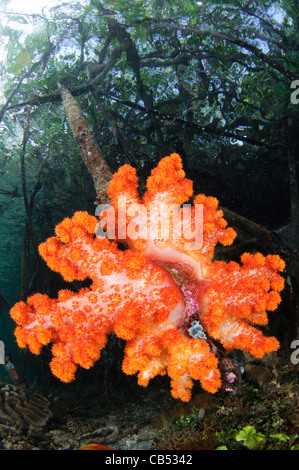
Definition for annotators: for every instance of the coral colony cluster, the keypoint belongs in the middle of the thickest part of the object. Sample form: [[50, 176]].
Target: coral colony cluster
[[164, 295]]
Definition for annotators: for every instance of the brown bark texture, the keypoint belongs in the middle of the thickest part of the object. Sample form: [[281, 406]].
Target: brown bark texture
[[90, 151]]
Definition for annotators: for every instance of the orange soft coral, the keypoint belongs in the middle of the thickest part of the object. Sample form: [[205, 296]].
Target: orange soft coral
[[152, 294]]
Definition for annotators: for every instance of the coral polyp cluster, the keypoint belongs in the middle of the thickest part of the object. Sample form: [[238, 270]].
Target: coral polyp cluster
[[165, 296]]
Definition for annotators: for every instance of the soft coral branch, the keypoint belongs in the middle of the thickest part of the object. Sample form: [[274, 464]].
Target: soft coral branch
[[150, 294]]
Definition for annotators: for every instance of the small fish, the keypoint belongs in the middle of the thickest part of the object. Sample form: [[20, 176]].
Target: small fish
[[94, 446]]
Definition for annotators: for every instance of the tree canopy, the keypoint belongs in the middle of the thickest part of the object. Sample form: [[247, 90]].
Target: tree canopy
[[211, 81]]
